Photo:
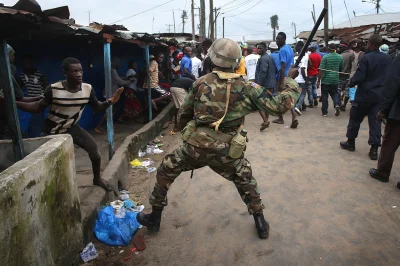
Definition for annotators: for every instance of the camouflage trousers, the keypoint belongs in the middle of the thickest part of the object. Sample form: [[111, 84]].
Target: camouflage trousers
[[188, 157]]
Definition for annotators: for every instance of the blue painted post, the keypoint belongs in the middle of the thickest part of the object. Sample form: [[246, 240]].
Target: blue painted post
[[9, 101], [147, 56], [107, 74]]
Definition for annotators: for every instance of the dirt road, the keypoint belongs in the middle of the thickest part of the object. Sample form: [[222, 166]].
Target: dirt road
[[322, 206]]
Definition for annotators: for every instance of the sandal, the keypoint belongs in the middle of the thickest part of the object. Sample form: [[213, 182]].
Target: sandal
[[264, 125], [278, 121]]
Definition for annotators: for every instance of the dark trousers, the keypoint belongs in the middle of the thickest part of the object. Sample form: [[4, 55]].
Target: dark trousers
[[390, 144], [357, 113], [36, 125], [85, 141], [331, 90]]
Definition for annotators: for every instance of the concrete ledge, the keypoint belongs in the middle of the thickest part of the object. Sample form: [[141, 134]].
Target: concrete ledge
[[39, 205], [118, 169]]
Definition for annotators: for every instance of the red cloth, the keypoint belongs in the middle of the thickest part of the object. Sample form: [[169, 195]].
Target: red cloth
[[316, 61]]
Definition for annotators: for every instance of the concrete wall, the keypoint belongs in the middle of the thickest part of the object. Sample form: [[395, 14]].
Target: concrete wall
[[40, 213]]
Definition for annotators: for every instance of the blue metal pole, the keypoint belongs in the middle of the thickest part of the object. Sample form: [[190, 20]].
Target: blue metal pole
[[147, 56], [6, 81], [107, 74]]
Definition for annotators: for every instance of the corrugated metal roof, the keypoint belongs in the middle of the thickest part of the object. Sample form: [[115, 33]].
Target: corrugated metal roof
[[374, 19]]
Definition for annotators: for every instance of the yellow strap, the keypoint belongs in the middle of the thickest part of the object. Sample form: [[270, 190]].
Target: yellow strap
[[228, 95]]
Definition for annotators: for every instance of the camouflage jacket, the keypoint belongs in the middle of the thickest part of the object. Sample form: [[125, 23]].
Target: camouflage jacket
[[206, 101]]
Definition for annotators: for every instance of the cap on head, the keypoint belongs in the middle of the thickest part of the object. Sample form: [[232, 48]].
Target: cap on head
[[225, 53], [313, 45], [384, 48], [273, 45]]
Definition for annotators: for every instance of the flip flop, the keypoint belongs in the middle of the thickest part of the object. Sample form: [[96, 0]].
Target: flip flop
[[278, 121]]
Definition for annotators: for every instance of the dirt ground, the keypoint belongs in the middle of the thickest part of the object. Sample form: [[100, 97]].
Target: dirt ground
[[322, 206]]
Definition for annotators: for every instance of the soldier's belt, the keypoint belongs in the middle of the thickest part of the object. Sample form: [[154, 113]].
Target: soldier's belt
[[214, 134]]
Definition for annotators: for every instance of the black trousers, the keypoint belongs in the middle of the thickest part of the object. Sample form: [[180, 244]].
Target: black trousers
[[390, 144], [357, 113]]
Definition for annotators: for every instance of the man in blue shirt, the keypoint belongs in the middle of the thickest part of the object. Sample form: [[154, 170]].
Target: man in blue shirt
[[286, 60], [186, 63], [274, 48]]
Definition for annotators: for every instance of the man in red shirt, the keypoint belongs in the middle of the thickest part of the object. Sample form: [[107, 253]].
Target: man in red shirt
[[312, 74]]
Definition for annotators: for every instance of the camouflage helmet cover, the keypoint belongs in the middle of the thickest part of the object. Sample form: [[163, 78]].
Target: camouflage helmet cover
[[225, 53]]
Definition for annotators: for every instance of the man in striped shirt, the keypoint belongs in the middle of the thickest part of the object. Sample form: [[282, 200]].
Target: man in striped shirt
[[66, 100], [35, 82]]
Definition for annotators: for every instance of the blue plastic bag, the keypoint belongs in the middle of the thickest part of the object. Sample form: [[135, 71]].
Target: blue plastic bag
[[352, 93], [115, 231]]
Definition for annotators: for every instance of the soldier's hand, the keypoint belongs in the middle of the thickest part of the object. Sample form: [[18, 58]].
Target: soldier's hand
[[293, 72]]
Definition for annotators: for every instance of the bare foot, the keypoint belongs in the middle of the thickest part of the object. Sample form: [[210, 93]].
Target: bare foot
[[104, 184], [294, 124], [278, 121]]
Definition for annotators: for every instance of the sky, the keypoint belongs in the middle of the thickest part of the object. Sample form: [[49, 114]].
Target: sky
[[244, 19]]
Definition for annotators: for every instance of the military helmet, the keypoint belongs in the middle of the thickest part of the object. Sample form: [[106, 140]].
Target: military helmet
[[225, 53]]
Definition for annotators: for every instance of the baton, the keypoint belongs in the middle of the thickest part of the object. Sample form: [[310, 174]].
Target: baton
[[310, 37]]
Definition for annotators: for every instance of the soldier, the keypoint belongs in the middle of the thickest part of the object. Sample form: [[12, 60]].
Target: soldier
[[212, 116]]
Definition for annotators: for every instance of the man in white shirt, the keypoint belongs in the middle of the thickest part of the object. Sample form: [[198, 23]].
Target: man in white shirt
[[251, 64], [302, 77], [196, 63], [132, 73]]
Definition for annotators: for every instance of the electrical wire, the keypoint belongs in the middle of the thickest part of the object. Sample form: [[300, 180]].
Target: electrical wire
[[246, 9], [232, 8], [344, 1], [228, 3], [142, 12]]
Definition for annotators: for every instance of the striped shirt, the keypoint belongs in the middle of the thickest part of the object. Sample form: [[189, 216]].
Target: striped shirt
[[333, 63], [35, 83], [153, 73], [65, 107]]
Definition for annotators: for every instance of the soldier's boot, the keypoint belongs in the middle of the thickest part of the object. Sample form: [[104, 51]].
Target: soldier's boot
[[349, 145], [261, 225], [151, 220], [373, 152]]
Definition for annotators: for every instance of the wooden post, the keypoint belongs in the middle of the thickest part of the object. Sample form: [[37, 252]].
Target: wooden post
[[9, 98], [147, 57], [326, 24], [108, 84], [193, 30], [211, 18]]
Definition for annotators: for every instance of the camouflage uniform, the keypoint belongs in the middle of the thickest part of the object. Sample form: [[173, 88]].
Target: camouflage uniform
[[206, 103]]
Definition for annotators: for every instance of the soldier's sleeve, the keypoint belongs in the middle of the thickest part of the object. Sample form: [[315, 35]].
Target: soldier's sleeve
[[186, 112], [274, 104]]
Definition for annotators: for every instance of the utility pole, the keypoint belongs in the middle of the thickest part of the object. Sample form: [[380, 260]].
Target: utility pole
[[169, 27], [223, 27], [313, 13], [90, 11], [295, 32], [193, 29], [326, 23], [215, 21], [211, 18], [378, 6], [173, 16], [202, 18], [184, 17]]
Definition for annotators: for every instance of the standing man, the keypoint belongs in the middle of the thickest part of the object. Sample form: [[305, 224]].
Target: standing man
[[328, 79], [369, 78], [205, 45], [212, 115], [186, 63], [66, 100], [241, 69], [357, 55], [390, 110], [274, 48], [286, 56], [196, 64], [35, 83], [265, 76], [251, 63], [348, 61], [302, 77], [179, 90], [312, 73]]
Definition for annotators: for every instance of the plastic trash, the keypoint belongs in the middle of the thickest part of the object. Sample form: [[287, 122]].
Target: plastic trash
[[135, 163], [157, 151], [128, 203], [151, 169], [123, 197], [352, 93], [147, 163], [141, 153], [113, 231], [89, 253], [150, 148], [138, 208]]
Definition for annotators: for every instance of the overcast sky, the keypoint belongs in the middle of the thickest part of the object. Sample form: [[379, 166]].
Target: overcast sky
[[250, 24]]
